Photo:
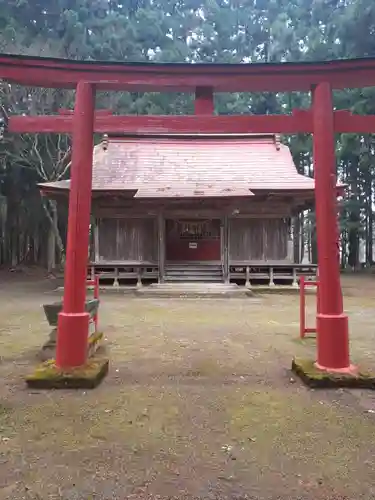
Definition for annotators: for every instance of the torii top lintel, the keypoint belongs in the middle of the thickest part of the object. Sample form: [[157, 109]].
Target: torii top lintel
[[269, 77]]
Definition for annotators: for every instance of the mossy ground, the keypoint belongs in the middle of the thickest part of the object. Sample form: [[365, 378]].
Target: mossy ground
[[199, 403], [48, 376], [319, 379]]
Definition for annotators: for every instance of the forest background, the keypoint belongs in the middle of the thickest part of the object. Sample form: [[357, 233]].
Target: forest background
[[33, 229]]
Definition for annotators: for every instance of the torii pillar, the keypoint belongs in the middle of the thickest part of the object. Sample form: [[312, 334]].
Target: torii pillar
[[332, 323], [73, 322]]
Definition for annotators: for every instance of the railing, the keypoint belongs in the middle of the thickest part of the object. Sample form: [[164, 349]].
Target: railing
[[251, 274], [270, 274], [303, 284], [125, 272], [94, 282]]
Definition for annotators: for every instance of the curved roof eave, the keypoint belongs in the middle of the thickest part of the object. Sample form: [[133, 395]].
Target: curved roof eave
[[288, 76]]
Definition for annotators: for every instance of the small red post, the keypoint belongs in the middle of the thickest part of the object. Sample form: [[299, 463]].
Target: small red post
[[73, 323], [332, 323], [302, 313], [95, 284], [96, 296], [204, 101], [302, 306]]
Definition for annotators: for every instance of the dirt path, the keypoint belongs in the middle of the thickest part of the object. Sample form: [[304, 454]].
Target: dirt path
[[199, 404]]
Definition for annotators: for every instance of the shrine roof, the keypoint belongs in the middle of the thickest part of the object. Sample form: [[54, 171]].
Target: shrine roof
[[176, 166], [149, 76]]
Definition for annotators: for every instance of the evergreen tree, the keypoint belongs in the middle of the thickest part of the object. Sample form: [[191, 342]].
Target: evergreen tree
[[196, 31]]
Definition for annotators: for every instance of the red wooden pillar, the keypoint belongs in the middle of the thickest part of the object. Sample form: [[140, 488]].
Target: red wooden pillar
[[73, 324], [204, 101], [332, 323]]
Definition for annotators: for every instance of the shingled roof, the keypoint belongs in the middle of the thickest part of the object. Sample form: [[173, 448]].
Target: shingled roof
[[177, 166]]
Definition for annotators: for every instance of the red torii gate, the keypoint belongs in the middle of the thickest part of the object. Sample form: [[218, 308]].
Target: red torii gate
[[321, 120]]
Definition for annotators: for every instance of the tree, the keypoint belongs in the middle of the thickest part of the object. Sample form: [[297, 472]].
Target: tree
[[196, 31], [47, 156]]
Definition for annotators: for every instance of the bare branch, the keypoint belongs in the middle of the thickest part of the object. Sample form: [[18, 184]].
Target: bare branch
[[62, 175], [41, 169], [54, 227]]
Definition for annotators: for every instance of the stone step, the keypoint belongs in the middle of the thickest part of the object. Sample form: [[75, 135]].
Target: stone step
[[196, 279], [192, 285], [193, 267], [193, 290], [195, 272]]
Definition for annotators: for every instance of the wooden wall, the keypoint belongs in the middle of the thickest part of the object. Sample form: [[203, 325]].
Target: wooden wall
[[258, 239], [136, 239], [132, 239]]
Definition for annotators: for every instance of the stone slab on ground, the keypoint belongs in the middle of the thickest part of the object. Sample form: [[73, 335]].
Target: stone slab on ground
[[196, 290], [306, 370], [49, 376]]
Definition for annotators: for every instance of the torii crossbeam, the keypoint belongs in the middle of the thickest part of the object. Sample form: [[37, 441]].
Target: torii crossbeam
[[300, 121]]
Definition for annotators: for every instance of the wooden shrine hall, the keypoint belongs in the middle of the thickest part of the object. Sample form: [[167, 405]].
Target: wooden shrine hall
[[208, 208], [220, 216]]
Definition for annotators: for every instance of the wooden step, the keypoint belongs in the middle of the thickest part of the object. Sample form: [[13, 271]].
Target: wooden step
[[193, 272], [193, 268], [191, 278], [198, 272]]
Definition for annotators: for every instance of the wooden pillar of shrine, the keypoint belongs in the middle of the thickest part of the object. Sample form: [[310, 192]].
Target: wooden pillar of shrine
[[73, 323], [161, 246], [332, 323]]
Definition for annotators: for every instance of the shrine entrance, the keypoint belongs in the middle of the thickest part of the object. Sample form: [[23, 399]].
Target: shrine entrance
[[204, 80], [196, 240]]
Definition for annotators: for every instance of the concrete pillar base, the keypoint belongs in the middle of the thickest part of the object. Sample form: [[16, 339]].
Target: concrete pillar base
[[72, 335], [332, 342]]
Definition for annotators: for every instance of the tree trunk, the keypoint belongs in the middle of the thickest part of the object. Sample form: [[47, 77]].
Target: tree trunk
[[370, 222], [370, 238], [353, 235], [353, 240], [343, 249], [302, 236], [314, 250], [296, 239], [14, 246], [55, 241], [51, 247]]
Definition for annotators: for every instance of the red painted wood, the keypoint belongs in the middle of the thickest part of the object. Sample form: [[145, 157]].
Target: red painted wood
[[299, 121], [73, 324], [60, 73], [303, 284], [204, 101], [302, 307], [332, 324], [178, 250], [40, 124], [185, 248], [347, 123], [188, 124]]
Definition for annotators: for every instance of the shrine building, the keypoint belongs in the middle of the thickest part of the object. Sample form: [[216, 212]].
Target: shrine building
[[195, 208]]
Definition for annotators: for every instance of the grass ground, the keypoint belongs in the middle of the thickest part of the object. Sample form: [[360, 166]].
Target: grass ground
[[199, 404]]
